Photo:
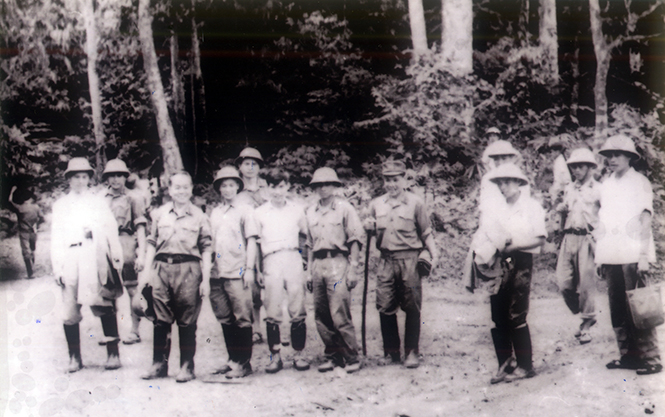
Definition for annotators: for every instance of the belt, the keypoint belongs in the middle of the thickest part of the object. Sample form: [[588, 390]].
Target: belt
[[578, 232], [399, 254], [176, 259], [76, 244], [125, 232], [325, 253]]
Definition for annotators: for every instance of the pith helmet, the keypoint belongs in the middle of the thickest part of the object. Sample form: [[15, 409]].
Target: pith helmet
[[392, 168], [620, 143], [115, 166], [500, 147], [494, 130], [508, 171], [250, 153], [582, 156], [325, 176], [226, 173], [78, 165]]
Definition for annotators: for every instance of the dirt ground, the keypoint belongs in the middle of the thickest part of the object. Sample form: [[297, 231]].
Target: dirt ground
[[453, 380]]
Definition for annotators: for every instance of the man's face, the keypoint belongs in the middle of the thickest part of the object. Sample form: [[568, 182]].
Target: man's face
[[278, 192], [180, 188], [228, 189], [580, 171], [116, 180], [510, 188], [503, 159], [325, 191], [618, 161], [79, 181], [249, 168], [394, 184]]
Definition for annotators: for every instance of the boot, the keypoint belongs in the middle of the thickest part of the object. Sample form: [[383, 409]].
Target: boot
[[504, 354], [73, 337], [411, 334], [244, 353], [390, 334], [227, 329], [272, 331], [161, 351], [110, 328], [521, 338], [187, 352]]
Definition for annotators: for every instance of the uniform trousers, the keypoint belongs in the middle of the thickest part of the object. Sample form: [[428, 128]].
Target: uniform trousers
[[284, 280], [175, 292], [635, 345], [231, 302], [576, 274], [28, 241], [332, 308], [129, 245]]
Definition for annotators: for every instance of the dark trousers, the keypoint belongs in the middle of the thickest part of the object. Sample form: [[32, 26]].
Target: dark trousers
[[635, 345]]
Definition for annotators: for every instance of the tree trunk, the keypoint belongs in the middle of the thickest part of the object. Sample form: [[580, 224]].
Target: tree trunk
[[456, 36], [177, 88], [548, 38], [167, 139], [418, 28], [603, 57], [197, 91], [91, 44]]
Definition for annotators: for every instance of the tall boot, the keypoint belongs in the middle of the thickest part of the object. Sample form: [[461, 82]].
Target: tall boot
[[161, 351], [29, 262], [110, 328], [504, 353], [231, 349], [411, 332], [521, 338], [298, 338], [244, 353], [72, 334], [272, 331], [187, 352], [390, 334]]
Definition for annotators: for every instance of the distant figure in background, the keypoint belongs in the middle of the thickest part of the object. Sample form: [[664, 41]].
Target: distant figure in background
[[576, 269], [254, 193], [129, 210], [624, 249], [522, 219], [87, 256], [29, 216]]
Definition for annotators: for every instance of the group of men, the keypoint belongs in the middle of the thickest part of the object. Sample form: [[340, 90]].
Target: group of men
[[248, 252]]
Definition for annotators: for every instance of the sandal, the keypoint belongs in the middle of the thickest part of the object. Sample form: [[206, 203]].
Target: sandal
[[649, 369], [620, 364]]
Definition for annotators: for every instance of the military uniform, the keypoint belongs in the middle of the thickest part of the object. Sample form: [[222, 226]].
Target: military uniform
[[29, 215]]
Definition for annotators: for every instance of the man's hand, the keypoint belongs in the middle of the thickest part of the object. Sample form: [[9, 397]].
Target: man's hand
[[351, 280], [139, 264], [259, 279], [204, 289], [369, 224], [248, 277], [643, 264], [309, 283]]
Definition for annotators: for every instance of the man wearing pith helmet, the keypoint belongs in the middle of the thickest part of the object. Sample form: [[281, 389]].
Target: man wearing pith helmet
[[402, 227], [255, 193], [86, 255], [234, 233], [334, 237], [129, 211], [624, 249], [522, 220], [576, 269]]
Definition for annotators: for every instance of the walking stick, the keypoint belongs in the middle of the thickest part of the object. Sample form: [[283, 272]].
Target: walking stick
[[364, 311]]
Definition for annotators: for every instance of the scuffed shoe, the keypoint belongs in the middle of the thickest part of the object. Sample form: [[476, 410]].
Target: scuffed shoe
[[327, 366], [276, 364], [505, 369], [584, 338], [132, 339], [75, 364], [107, 339], [186, 373], [388, 360], [411, 361], [520, 373], [352, 367], [113, 362], [157, 370], [648, 369], [300, 362], [223, 369], [239, 371], [585, 325], [623, 363]]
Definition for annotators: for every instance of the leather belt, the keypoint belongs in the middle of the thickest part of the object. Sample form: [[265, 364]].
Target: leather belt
[[578, 232], [323, 254], [176, 259]]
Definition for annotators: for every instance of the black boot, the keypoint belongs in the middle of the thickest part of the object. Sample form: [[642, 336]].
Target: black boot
[[272, 331], [244, 353], [504, 354], [29, 262], [187, 352], [231, 349], [298, 334], [411, 332], [521, 338], [73, 337], [390, 334], [110, 328], [161, 351]]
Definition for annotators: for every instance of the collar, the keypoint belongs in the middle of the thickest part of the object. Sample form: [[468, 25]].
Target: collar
[[331, 206], [110, 193], [394, 202], [186, 211]]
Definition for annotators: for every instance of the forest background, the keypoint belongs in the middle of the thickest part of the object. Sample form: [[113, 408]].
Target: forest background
[[171, 84]]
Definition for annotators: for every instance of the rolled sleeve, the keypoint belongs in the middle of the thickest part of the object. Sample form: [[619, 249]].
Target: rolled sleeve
[[138, 210], [354, 227], [205, 235], [250, 227], [422, 220]]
